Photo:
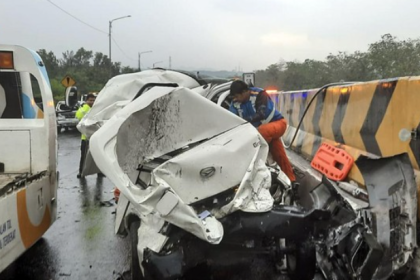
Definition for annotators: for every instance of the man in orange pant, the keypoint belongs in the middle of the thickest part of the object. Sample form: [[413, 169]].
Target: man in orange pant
[[254, 105]]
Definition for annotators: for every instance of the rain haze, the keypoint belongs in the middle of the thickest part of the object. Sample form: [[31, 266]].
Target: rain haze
[[207, 34]]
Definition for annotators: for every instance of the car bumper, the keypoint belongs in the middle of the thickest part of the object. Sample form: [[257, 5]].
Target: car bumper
[[68, 122]]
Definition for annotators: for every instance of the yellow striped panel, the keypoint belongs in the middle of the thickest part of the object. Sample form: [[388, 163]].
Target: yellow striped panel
[[357, 107], [309, 139], [402, 113], [328, 111]]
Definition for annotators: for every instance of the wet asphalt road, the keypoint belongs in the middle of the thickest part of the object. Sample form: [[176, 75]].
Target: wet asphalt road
[[81, 243]]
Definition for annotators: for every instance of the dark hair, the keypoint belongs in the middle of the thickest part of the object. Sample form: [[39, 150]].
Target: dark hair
[[238, 87], [90, 95]]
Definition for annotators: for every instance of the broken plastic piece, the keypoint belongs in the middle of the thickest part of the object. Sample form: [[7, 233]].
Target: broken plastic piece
[[167, 203], [116, 194], [106, 203], [204, 215], [335, 163]]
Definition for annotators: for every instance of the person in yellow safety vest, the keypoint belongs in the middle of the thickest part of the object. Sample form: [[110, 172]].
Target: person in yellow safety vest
[[83, 110]]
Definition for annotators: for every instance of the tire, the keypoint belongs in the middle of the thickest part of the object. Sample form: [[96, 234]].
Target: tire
[[301, 265], [136, 273]]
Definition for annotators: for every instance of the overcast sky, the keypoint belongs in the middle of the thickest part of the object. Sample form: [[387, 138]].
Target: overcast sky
[[207, 34]]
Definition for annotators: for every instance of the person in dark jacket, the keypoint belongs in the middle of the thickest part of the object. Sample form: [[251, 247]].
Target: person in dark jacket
[[255, 106]]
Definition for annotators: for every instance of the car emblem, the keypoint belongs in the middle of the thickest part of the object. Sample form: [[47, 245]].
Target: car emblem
[[207, 172]]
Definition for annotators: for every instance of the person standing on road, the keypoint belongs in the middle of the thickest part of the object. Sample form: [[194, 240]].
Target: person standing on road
[[83, 110], [255, 106]]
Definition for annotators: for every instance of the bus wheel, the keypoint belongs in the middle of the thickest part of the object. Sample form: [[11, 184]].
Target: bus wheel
[[136, 273]]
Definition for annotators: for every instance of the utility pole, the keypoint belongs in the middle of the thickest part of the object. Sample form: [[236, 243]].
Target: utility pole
[[140, 53], [156, 63], [109, 35]]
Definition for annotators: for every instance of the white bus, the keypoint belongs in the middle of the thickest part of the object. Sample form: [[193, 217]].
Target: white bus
[[28, 152]]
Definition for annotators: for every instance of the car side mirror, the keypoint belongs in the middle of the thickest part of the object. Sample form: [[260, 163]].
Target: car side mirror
[[71, 96]]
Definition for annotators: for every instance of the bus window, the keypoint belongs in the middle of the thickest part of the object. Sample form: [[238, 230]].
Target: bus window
[[36, 92], [31, 97], [20, 96], [11, 96], [2, 100]]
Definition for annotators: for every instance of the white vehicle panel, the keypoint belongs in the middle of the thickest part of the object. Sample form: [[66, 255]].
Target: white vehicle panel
[[15, 160]]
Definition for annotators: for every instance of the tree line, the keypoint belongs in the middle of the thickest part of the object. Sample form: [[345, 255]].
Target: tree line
[[386, 58], [90, 70]]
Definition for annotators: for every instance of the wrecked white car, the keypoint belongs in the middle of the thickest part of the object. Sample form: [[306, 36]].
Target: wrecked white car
[[196, 190]]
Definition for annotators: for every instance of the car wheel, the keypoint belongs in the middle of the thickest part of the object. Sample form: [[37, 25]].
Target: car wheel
[[136, 273], [301, 263]]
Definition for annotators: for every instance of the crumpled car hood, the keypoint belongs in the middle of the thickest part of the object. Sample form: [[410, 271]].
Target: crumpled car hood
[[222, 151], [121, 90]]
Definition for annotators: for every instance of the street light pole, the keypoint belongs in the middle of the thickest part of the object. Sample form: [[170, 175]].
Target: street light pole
[[109, 34], [140, 53], [156, 63]]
